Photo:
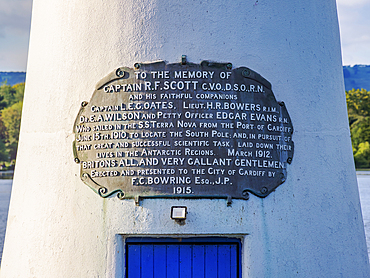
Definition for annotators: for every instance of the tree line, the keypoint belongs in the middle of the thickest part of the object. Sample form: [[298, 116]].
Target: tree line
[[358, 105], [11, 102]]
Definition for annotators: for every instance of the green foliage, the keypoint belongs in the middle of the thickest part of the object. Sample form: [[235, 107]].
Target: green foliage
[[7, 92], [19, 92], [11, 94], [358, 104], [12, 120], [11, 101], [3, 152], [362, 155]]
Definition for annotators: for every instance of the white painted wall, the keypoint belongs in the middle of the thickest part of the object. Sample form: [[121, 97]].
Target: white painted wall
[[310, 227]]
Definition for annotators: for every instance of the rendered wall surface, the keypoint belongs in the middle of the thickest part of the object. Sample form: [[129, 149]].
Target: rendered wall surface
[[311, 226]]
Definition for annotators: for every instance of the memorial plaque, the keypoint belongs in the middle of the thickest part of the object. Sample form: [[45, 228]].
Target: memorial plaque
[[183, 130]]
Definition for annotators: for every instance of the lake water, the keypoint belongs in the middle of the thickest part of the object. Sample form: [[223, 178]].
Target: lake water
[[363, 178], [5, 189]]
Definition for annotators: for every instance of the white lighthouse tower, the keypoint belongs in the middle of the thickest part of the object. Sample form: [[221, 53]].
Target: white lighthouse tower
[[296, 216]]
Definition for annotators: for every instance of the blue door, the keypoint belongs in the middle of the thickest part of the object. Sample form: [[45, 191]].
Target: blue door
[[183, 258]]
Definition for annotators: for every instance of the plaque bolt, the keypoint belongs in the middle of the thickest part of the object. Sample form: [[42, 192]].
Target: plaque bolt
[[229, 66], [84, 103], [121, 195], [77, 160], [84, 176], [264, 190], [120, 73], [102, 190], [289, 160], [281, 103], [137, 65], [246, 73], [245, 194]]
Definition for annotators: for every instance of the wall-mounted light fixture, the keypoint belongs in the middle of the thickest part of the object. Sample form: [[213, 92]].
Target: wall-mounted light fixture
[[178, 213]]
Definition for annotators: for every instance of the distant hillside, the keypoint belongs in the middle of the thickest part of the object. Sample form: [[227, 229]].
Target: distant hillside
[[356, 77], [12, 78]]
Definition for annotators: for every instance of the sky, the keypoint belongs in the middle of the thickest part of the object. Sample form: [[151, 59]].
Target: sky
[[15, 18], [354, 24]]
